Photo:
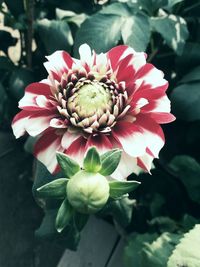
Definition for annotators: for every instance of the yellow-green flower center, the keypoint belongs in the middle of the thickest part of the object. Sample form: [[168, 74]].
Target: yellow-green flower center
[[90, 99]]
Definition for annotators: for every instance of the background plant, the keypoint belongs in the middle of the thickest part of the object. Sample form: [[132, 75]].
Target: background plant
[[167, 205]]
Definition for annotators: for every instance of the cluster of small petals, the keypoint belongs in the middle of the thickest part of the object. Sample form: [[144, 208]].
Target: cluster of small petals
[[109, 100]]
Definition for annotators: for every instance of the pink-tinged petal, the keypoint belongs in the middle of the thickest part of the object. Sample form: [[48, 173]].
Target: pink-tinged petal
[[130, 137], [153, 136], [126, 166], [46, 147], [59, 62], [39, 122], [19, 122], [119, 53], [159, 105], [150, 94], [101, 142], [115, 54], [68, 138], [77, 150], [39, 88], [58, 123], [126, 71], [162, 117], [145, 162]]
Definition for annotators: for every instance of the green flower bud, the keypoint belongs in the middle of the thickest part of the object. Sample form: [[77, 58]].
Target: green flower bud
[[88, 192]]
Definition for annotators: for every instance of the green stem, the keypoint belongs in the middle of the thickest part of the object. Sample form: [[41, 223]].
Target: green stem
[[29, 8]]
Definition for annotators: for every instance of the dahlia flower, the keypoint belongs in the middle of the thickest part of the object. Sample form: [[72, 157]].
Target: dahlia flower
[[108, 100]]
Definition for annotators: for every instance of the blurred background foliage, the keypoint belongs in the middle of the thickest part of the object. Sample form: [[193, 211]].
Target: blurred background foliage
[[161, 224]]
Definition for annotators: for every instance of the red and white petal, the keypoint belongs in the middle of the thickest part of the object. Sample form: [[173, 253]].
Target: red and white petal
[[19, 122], [153, 136], [115, 54], [127, 166], [58, 63], [77, 150], [101, 142], [39, 122], [130, 137], [58, 123], [68, 138], [162, 117], [119, 53], [145, 162], [46, 147], [36, 97], [158, 105]]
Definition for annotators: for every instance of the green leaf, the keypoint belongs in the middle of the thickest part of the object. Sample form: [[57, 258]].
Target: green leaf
[[187, 170], [120, 209], [148, 250], [6, 63], [187, 251], [70, 16], [156, 254], [172, 3], [64, 215], [190, 57], [192, 76], [133, 249], [110, 161], [185, 101], [119, 188], [61, 37], [120, 9], [69, 238], [80, 220], [18, 81], [92, 161], [68, 165], [100, 31], [136, 32], [152, 5], [54, 189], [173, 29]]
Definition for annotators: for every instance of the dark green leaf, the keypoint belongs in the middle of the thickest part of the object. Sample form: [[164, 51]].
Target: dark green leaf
[[47, 227], [55, 189], [119, 188], [185, 101], [92, 161], [68, 165], [19, 79], [173, 30], [136, 32], [120, 9], [152, 5], [110, 161], [172, 3], [120, 209], [64, 215], [6, 63], [80, 220], [6, 40], [192, 76], [187, 170], [186, 253], [190, 57], [101, 32], [60, 33]]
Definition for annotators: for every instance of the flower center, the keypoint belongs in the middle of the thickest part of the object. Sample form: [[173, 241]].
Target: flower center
[[90, 99]]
